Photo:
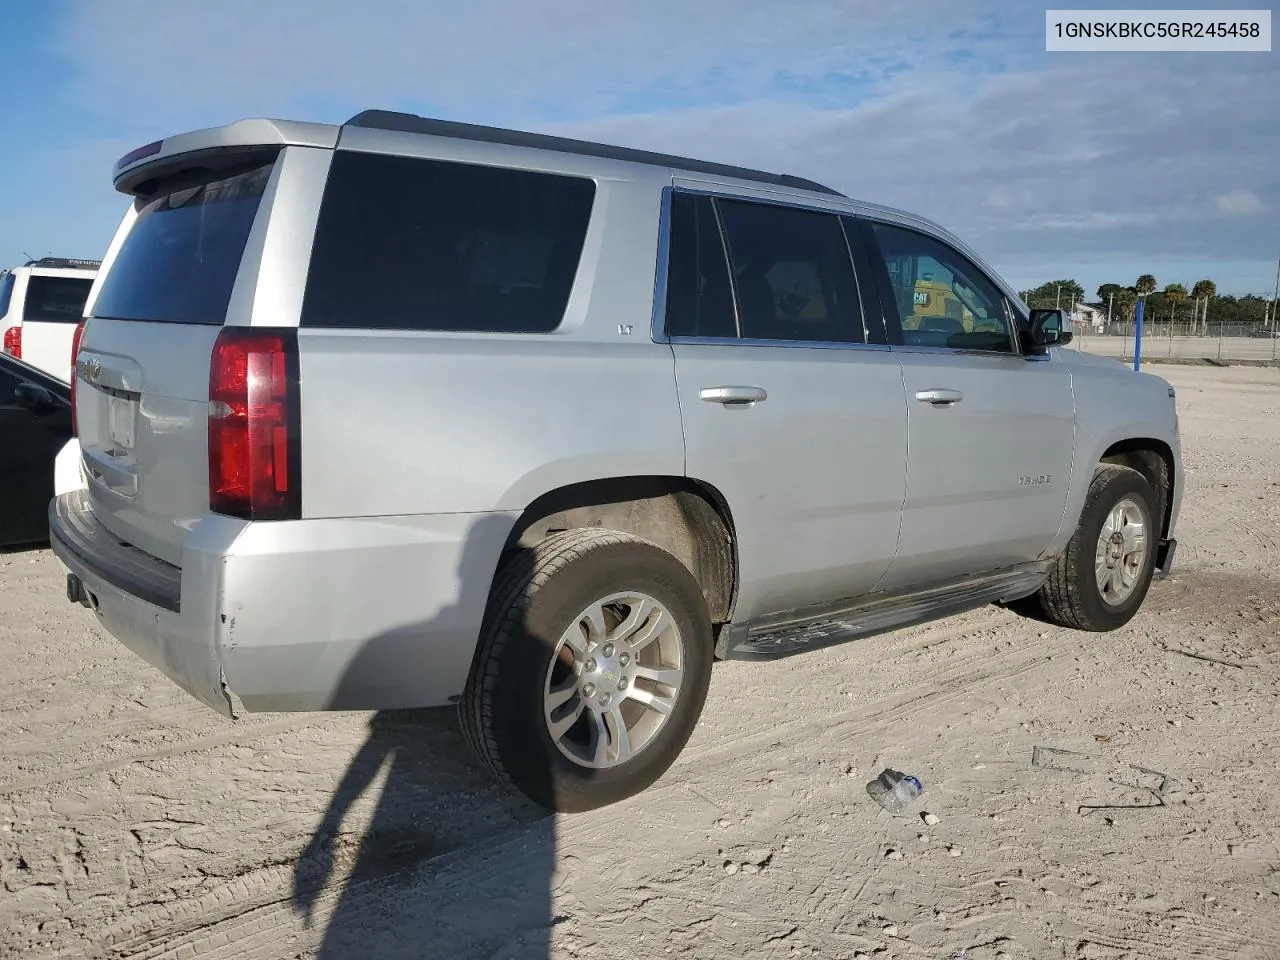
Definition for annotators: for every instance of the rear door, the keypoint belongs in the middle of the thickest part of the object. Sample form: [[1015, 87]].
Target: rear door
[[187, 260], [992, 431], [791, 407], [52, 308]]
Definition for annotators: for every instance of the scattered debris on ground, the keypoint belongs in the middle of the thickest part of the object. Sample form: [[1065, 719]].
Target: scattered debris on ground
[[136, 822]]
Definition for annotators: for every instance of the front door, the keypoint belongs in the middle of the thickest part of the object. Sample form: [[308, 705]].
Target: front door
[[788, 410], [29, 442], [991, 431]]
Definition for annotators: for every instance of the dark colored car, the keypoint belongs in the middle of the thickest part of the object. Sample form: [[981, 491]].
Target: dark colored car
[[35, 423]]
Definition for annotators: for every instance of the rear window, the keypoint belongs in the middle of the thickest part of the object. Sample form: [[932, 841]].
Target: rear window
[[55, 299], [179, 262], [6, 291], [412, 244]]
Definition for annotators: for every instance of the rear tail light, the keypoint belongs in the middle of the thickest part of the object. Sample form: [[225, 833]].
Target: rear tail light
[[13, 342], [75, 356], [254, 424]]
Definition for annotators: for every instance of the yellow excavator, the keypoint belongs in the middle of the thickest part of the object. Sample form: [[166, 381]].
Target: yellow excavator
[[934, 299]]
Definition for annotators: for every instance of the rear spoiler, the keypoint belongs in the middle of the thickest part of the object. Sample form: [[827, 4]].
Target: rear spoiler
[[199, 152]]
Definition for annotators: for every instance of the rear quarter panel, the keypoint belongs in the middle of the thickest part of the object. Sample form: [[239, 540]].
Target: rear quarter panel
[[409, 422], [403, 424]]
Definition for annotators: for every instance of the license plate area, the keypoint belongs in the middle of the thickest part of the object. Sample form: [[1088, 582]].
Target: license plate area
[[121, 417]]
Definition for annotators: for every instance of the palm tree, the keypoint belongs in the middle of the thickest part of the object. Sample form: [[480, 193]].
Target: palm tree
[[1145, 284], [1126, 300], [1175, 293], [1204, 290]]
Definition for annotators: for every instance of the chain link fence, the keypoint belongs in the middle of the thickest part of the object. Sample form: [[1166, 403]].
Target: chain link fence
[[1179, 340]]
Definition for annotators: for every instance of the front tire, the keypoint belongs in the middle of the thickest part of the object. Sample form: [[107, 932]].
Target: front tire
[[591, 671], [1101, 579]]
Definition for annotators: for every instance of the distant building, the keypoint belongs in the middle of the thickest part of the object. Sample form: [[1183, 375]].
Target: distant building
[[1092, 315]]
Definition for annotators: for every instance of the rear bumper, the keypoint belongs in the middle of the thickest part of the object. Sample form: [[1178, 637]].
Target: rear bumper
[[327, 614]]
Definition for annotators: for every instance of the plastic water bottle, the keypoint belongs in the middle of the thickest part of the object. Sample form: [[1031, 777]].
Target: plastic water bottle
[[894, 791]]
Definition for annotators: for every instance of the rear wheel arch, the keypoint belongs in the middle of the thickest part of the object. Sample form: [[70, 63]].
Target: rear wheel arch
[[564, 731], [687, 518]]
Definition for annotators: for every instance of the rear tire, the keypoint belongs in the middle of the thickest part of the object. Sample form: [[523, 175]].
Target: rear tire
[[1101, 579], [591, 670]]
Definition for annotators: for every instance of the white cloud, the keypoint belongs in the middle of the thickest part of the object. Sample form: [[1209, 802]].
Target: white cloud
[[494, 56], [1065, 164], [953, 110], [1240, 203]]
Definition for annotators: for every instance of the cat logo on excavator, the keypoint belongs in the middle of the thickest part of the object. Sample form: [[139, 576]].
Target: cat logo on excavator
[[933, 299]]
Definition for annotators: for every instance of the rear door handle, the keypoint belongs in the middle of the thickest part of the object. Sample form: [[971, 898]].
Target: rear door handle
[[733, 395], [939, 397]]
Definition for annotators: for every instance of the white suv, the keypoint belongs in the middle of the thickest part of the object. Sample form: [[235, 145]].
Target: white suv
[[40, 305]]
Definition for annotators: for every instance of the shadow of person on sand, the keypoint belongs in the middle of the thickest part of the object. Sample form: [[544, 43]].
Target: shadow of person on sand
[[449, 864]]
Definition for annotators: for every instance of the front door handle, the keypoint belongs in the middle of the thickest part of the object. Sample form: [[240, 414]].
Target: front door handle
[[939, 397], [733, 395]]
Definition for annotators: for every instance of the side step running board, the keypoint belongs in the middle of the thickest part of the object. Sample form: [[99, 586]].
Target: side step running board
[[804, 630]]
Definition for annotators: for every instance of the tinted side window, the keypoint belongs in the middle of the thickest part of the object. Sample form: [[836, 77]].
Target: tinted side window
[[55, 299], [792, 274], [943, 300], [411, 244], [699, 300], [179, 262], [6, 292]]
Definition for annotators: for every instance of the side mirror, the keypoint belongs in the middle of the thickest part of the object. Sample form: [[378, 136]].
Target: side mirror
[[1048, 328], [37, 399]]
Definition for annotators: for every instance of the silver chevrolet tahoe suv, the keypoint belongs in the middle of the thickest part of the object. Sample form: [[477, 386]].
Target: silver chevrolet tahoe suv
[[404, 413]]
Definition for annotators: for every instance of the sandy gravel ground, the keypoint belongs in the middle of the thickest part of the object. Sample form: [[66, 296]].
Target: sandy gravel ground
[[134, 823], [1156, 347]]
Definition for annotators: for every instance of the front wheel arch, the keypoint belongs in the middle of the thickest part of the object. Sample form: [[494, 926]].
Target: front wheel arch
[[1154, 460]]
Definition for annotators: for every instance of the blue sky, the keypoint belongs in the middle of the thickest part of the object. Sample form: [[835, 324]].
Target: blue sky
[[1093, 166]]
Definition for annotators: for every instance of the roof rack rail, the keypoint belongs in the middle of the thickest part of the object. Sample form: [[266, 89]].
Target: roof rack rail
[[67, 263], [411, 123]]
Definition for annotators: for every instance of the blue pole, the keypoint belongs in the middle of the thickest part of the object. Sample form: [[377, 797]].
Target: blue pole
[[1137, 338]]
